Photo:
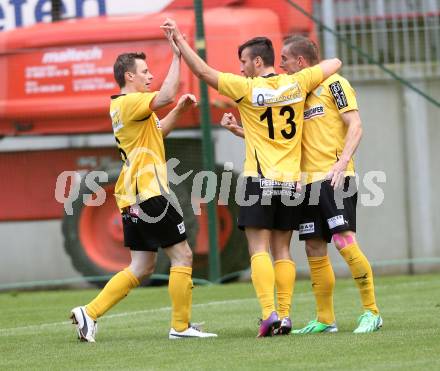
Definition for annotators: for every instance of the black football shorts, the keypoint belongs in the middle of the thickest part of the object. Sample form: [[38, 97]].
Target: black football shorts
[[325, 211], [152, 224], [272, 208]]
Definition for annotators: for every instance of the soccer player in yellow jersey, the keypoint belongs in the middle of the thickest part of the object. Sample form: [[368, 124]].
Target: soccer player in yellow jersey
[[149, 220], [332, 131], [271, 108], [256, 57]]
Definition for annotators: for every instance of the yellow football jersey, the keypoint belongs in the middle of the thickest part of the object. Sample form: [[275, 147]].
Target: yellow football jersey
[[324, 131], [140, 142], [271, 110]]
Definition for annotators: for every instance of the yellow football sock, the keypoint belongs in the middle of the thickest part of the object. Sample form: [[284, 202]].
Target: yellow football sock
[[180, 290], [116, 289], [263, 279], [323, 284], [285, 273], [362, 274]]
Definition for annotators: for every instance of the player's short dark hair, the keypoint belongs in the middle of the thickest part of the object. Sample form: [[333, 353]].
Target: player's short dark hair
[[125, 63], [302, 46], [259, 47]]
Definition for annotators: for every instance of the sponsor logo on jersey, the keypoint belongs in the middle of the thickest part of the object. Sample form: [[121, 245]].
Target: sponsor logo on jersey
[[306, 228], [267, 97], [278, 192], [269, 183], [116, 121], [338, 94], [336, 221], [181, 228], [313, 112], [276, 188]]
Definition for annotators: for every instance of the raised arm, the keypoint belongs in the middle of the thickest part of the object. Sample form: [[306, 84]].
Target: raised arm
[[329, 67], [170, 85], [196, 64]]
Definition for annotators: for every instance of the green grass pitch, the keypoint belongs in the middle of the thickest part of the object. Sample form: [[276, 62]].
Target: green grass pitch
[[35, 333]]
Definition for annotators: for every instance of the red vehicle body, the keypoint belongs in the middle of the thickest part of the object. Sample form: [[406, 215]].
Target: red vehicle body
[[56, 82]]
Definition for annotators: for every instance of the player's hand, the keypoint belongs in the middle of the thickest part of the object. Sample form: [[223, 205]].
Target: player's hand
[[173, 44], [185, 102], [229, 122], [170, 26], [337, 174]]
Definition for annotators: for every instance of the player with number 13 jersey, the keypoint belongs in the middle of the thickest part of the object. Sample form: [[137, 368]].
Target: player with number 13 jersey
[[272, 110]]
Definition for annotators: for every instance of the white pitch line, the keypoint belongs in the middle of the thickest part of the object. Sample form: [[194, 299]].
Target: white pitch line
[[13, 330], [298, 297]]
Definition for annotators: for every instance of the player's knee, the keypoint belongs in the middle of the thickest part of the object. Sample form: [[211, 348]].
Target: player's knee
[[180, 254], [187, 257], [140, 272], [149, 269], [316, 247], [281, 253], [312, 245], [343, 239], [142, 269]]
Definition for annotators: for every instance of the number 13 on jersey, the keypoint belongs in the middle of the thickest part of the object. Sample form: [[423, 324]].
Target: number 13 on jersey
[[288, 113]]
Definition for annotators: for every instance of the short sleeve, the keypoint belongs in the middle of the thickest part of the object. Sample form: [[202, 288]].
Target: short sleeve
[[139, 105], [344, 95], [233, 86], [309, 77]]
